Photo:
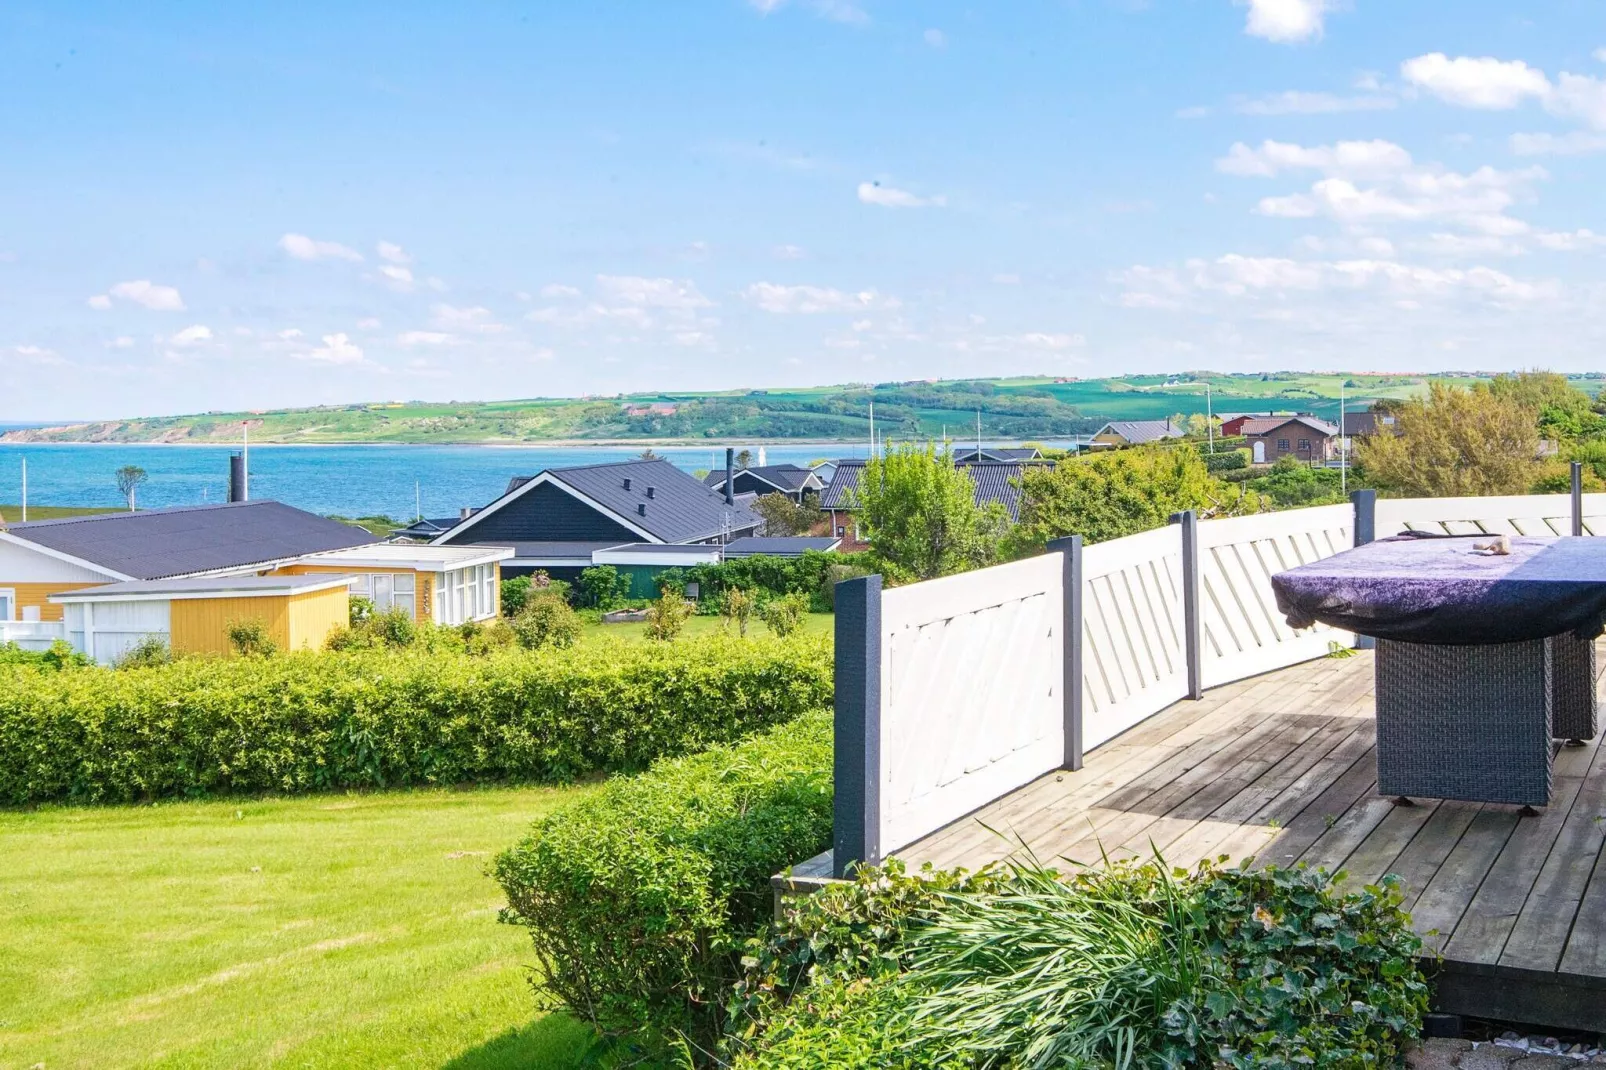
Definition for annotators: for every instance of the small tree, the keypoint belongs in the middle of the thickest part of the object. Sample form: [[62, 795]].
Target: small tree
[[515, 593], [744, 459], [667, 616], [1457, 443], [603, 587], [129, 478], [737, 608], [784, 616], [920, 512], [782, 516], [547, 622], [250, 638]]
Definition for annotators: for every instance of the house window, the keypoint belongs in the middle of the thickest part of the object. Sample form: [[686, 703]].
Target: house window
[[1282, 445], [8, 604], [1304, 445], [388, 590]]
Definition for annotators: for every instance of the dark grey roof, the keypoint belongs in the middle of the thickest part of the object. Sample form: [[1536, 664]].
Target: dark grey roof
[[787, 546], [992, 453], [994, 483], [689, 549], [844, 484], [681, 508], [427, 527], [1368, 423], [1136, 431], [550, 550], [277, 583], [155, 543], [788, 477], [998, 483]]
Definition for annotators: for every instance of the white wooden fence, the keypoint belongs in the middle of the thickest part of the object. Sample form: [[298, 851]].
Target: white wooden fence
[[954, 692]]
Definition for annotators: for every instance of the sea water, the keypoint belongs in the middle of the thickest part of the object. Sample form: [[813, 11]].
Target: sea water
[[394, 481]]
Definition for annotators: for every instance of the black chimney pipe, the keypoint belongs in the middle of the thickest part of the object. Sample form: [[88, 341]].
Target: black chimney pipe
[[236, 478], [730, 475]]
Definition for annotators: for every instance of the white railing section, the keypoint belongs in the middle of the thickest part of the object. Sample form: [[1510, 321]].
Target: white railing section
[[1243, 633], [32, 634], [972, 672], [1134, 646], [954, 692]]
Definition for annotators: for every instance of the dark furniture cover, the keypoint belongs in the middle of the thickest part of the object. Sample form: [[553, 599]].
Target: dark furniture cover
[[1440, 590]]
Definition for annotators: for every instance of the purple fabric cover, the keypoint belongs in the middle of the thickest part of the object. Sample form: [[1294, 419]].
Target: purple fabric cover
[[1441, 590]]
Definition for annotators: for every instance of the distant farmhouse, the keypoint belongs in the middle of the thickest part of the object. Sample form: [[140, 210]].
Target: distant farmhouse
[[1306, 438]]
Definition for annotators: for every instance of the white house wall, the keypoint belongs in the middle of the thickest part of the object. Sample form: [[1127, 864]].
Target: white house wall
[[19, 564]]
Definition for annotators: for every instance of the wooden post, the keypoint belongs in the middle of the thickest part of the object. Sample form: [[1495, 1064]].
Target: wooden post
[[1071, 547], [1578, 497], [1365, 503], [1193, 634], [856, 815]]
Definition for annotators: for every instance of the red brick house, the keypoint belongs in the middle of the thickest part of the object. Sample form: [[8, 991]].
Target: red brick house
[[1306, 438]]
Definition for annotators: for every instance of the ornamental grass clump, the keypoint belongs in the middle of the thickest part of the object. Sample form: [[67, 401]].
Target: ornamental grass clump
[[1127, 965]]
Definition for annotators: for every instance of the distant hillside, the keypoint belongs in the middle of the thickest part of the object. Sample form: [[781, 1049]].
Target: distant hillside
[[1009, 408]]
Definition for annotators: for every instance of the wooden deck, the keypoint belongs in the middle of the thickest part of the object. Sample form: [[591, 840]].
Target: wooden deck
[[1281, 767]]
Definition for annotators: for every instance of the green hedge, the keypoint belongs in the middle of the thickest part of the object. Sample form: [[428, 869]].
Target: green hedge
[[807, 574], [379, 718], [639, 897]]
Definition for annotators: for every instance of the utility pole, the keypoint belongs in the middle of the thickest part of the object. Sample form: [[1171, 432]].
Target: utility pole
[[25, 490], [245, 460], [1210, 418], [978, 435], [872, 429], [1343, 446]]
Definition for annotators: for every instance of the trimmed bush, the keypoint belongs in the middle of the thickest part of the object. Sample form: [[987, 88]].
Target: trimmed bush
[[381, 718], [547, 622], [639, 898], [784, 615], [807, 575], [61, 655], [603, 587]]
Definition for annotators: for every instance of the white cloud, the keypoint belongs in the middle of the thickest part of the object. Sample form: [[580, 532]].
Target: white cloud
[[302, 247], [1481, 82], [1285, 21], [38, 355], [638, 291], [336, 349], [1569, 241], [1573, 143], [369, 323], [290, 334], [789, 252], [122, 341], [1354, 158], [935, 38], [192, 335], [890, 197], [1578, 96], [393, 253], [559, 290], [774, 297], [835, 10], [141, 292], [400, 278], [1299, 102], [478, 318], [765, 7], [426, 338], [1055, 342]]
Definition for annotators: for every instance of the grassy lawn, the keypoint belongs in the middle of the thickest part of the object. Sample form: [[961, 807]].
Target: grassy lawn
[[813, 624], [13, 513], [351, 931]]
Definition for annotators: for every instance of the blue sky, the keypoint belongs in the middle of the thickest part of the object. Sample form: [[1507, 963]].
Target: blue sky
[[208, 206]]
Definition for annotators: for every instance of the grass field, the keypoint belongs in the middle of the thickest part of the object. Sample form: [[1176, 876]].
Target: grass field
[[813, 624], [337, 931], [12, 514]]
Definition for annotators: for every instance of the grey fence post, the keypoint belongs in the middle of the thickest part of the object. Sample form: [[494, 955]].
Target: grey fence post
[[1071, 547], [1578, 497], [856, 812], [1365, 502], [1193, 632]]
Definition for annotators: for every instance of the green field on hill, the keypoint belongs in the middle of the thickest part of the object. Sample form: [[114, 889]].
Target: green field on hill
[[1019, 408]]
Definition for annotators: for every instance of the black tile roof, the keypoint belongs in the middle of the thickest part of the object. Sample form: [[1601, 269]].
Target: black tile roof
[[778, 546], [789, 477], [156, 543], [681, 509], [992, 453], [994, 483]]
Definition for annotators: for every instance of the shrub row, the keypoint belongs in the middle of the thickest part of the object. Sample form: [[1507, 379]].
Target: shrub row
[[813, 574], [382, 718], [639, 897]]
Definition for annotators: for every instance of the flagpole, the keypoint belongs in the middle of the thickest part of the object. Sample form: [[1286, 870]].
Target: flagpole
[[245, 461], [1343, 446], [25, 490]]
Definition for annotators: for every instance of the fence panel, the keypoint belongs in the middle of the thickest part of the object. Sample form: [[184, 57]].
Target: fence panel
[[1526, 514], [1243, 633], [1134, 656], [972, 681]]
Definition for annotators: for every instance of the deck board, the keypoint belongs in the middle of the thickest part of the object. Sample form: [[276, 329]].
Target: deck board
[[1282, 768]]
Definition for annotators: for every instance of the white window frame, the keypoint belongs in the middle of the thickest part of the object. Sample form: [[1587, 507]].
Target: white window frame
[[9, 596]]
